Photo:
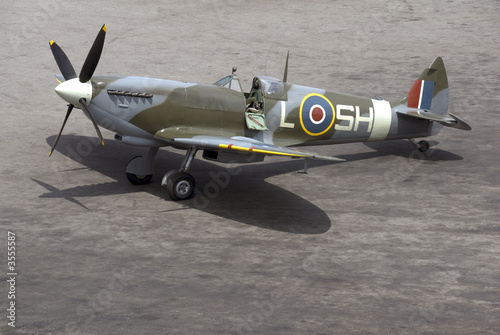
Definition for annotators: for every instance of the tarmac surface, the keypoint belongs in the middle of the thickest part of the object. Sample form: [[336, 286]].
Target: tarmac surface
[[389, 242]]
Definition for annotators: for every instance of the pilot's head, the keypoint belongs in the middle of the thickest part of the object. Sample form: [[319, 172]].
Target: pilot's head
[[256, 83]]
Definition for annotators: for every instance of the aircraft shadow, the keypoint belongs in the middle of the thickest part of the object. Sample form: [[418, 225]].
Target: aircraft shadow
[[404, 148], [238, 192]]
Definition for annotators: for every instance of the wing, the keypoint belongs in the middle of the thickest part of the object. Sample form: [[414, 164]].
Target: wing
[[243, 145]]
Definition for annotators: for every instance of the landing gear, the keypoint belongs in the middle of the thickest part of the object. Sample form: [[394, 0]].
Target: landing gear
[[180, 184], [422, 146], [140, 169], [138, 179]]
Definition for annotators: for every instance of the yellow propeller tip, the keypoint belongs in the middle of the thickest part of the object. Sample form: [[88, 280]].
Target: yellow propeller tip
[[51, 42], [104, 27], [102, 142]]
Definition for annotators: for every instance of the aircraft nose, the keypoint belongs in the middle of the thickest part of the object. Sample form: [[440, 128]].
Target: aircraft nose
[[73, 90]]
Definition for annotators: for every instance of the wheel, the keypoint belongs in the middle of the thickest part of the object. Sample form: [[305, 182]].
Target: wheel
[[180, 186], [139, 180], [423, 146]]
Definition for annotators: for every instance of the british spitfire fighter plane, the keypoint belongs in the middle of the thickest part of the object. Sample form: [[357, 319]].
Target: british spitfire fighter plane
[[233, 126]]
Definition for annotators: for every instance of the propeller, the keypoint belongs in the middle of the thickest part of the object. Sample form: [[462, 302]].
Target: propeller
[[93, 57], [77, 91], [62, 61], [70, 108]]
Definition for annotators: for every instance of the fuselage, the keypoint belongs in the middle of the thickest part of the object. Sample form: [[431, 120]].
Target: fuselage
[[152, 111], [233, 126]]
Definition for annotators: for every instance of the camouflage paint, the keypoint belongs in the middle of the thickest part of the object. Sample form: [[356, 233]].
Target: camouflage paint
[[184, 110]]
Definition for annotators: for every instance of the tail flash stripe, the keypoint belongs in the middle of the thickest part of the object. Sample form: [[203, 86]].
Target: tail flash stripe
[[426, 94], [414, 94], [420, 95]]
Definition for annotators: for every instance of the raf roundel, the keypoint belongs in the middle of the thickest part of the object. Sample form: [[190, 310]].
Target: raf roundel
[[316, 114]]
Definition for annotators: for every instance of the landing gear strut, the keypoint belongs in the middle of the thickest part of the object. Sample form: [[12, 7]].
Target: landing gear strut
[[422, 146], [180, 184]]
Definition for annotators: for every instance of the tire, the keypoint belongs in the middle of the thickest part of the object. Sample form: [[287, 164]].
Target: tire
[[139, 180], [423, 146], [135, 179], [180, 186]]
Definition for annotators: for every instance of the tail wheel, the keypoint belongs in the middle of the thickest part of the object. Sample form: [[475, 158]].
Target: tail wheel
[[180, 186], [423, 146]]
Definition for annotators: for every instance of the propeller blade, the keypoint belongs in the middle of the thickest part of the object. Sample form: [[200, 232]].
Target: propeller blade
[[62, 61], [93, 57], [84, 106], [70, 108]]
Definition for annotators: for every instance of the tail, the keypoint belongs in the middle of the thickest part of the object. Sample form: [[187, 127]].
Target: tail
[[428, 99]]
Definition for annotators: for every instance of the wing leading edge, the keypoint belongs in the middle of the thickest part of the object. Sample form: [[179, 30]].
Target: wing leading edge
[[247, 145]]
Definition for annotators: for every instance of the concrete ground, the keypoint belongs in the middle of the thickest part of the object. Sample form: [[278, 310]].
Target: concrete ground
[[389, 242]]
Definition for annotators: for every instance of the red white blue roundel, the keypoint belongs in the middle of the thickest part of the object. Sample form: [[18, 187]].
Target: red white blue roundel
[[316, 114]]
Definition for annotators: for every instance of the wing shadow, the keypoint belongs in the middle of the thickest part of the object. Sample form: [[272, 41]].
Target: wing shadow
[[238, 193], [244, 197]]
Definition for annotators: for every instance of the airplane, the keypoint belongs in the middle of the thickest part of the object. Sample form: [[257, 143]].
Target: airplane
[[233, 126]]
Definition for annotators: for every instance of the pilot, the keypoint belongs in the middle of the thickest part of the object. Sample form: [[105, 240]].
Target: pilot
[[254, 102]]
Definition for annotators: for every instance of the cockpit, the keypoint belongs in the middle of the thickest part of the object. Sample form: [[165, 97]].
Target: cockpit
[[263, 87], [269, 87], [272, 87], [232, 82]]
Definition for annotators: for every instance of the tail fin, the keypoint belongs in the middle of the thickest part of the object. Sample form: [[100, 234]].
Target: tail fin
[[428, 99], [430, 90]]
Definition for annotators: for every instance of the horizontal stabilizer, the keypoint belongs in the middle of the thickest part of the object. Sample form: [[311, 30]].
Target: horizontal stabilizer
[[446, 120], [460, 124]]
